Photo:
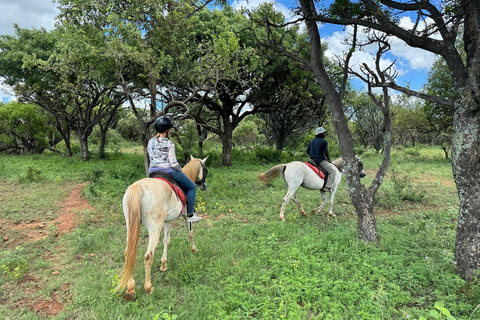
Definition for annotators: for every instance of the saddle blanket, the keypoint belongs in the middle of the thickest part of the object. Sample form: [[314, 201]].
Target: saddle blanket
[[315, 169], [178, 192]]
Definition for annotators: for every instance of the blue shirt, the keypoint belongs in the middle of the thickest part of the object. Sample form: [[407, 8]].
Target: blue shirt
[[317, 149]]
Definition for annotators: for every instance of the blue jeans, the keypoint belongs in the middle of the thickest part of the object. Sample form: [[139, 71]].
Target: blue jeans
[[187, 185]]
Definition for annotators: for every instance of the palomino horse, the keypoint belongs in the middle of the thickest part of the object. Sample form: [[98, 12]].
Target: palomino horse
[[152, 202], [298, 174]]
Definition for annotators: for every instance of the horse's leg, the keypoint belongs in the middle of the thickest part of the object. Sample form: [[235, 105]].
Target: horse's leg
[[166, 241], [193, 248], [153, 239], [332, 196], [324, 200], [299, 206], [287, 198]]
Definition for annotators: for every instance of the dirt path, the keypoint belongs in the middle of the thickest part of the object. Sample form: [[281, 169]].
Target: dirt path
[[67, 218]]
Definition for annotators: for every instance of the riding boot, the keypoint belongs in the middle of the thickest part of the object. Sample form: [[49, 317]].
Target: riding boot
[[189, 215]]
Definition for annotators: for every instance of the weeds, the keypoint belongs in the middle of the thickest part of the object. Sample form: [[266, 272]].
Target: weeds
[[13, 264], [32, 174]]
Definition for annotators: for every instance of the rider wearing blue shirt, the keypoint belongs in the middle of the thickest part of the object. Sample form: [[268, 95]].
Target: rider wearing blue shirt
[[318, 151]]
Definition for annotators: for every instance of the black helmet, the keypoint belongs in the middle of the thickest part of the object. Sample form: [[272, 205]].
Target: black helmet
[[162, 124]]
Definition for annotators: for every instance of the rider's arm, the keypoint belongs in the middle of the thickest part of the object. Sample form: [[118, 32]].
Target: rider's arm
[[172, 158]]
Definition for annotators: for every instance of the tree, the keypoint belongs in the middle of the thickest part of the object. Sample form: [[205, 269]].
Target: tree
[[151, 44], [368, 119], [34, 84], [436, 31], [410, 122], [24, 128], [249, 78], [440, 116]]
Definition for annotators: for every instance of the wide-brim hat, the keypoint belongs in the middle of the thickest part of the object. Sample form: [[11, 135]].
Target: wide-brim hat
[[320, 130]]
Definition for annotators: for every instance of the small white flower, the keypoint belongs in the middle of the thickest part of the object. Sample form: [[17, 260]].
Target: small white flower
[[427, 258]]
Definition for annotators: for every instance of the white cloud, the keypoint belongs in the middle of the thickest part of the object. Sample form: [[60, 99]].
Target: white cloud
[[27, 14], [407, 58]]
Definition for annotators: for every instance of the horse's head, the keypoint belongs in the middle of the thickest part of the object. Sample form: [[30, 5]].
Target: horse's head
[[202, 173], [360, 166]]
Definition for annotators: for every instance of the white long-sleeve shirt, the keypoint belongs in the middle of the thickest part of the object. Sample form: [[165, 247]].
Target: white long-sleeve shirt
[[161, 152]]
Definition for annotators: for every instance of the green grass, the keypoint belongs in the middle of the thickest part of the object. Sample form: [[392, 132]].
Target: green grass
[[249, 265]]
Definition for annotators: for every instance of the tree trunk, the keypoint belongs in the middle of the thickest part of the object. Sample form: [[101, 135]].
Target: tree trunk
[[227, 148], [466, 172], [200, 140], [366, 223], [445, 150], [103, 142], [227, 140], [83, 140]]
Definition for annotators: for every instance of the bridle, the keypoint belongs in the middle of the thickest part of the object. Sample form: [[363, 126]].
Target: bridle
[[204, 175]]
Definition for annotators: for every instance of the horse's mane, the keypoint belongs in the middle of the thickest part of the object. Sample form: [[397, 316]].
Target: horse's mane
[[339, 163], [191, 169]]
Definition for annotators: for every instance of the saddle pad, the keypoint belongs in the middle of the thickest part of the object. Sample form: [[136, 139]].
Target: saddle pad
[[178, 192], [315, 169]]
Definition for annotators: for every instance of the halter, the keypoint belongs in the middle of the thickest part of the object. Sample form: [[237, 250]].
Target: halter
[[204, 175]]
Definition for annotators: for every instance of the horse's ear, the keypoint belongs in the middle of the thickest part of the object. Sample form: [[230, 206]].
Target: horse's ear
[[204, 160], [191, 158]]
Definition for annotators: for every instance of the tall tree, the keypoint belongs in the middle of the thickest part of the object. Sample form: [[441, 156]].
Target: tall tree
[[440, 116], [151, 44], [34, 84]]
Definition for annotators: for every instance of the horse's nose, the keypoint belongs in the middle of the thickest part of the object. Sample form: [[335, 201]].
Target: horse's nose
[[362, 174], [203, 186]]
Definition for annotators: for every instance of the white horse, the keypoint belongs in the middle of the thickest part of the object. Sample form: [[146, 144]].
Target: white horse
[[153, 202], [298, 174]]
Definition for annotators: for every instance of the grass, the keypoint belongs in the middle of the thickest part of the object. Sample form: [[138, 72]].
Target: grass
[[250, 265]]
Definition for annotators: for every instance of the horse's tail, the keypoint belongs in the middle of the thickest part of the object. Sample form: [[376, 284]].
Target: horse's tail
[[132, 203], [272, 173]]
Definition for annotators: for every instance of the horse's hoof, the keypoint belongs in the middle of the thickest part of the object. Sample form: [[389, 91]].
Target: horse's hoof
[[194, 251], [149, 290], [130, 296], [330, 214], [163, 269], [313, 212]]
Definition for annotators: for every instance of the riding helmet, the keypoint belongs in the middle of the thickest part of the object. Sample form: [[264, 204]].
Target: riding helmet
[[162, 124]]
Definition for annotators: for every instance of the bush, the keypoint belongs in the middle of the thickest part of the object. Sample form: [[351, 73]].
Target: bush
[[12, 264], [31, 175], [397, 189], [267, 155]]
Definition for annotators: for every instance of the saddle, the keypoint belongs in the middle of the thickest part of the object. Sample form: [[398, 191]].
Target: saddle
[[179, 192], [317, 169]]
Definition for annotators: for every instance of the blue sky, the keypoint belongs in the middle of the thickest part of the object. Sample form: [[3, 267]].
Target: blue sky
[[412, 64]]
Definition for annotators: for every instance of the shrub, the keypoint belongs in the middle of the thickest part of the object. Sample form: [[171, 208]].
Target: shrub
[[31, 175], [267, 155], [12, 264]]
